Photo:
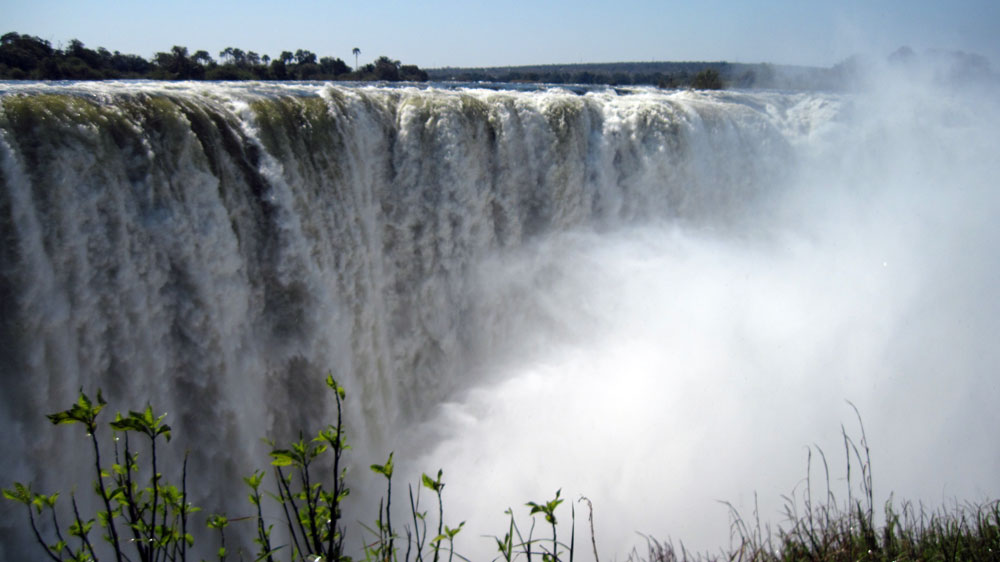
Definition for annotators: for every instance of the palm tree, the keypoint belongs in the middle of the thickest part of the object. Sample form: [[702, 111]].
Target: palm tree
[[356, 52]]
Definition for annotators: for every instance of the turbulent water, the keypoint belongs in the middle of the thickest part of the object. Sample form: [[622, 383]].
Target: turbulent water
[[653, 299]]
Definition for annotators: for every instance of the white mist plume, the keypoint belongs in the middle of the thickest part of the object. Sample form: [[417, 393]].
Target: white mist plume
[[662, 369]]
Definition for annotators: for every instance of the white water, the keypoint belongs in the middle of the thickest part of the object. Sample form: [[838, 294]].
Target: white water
[[656, 300]]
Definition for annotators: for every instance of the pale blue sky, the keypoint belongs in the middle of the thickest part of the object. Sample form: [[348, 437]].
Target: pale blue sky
[[436, 33]]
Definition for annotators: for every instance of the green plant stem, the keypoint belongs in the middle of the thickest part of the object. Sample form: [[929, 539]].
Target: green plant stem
[[134, 514], [313, 535], [335, 508], [153, 549], [184, 507], [115, 542], [38, 535], [572, 531], [440, 518], [286, 498], [418, 539], [55, 525], [83, 535], [388, 516]]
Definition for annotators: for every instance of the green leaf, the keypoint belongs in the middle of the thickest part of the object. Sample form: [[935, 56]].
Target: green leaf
[[78, 530], [20, 493], [254, 479], [282, 457], [332, 383], [217, 521], [61, 417], [384, 469], [452, 532], [58, 547]]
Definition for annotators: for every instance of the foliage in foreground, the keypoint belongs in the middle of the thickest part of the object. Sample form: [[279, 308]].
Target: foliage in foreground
[[831, 531], [141, 516]]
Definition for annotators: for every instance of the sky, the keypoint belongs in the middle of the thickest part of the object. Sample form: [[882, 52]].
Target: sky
[[440, 33]]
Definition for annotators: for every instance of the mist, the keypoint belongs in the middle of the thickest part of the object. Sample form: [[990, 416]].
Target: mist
[[664, 368]]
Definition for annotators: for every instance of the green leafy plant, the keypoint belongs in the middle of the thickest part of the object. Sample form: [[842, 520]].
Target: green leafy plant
[[514, 544], [383, 548], [311, 506], [444, 532], [137, 500], [548, 509]]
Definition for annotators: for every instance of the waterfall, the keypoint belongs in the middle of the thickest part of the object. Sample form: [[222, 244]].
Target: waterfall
[[216, 249]]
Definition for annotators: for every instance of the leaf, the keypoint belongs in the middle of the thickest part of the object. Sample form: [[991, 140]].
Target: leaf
[[332, 383], [254, 479], [78, 530], [61, 417], [452, 532], [20, 493], [58, 547], [282, 457], [384, 469]]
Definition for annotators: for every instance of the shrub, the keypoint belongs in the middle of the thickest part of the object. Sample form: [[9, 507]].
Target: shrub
[[707, 79]]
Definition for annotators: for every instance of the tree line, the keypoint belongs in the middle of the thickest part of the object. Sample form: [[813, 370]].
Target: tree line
[[25, 57], [699, 75]]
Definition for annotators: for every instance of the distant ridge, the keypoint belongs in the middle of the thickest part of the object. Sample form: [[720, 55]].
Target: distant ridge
[[668, 74]]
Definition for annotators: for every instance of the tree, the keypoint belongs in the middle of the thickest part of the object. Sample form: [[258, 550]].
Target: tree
[[178, 65], [333, 67], [412, 73], [278, 69], [24, 52], [356, 52], [386, 69], [130, 65], [305, 57], [239, 57], [233, 55], [202, 57], [707, 79], [81, 62]]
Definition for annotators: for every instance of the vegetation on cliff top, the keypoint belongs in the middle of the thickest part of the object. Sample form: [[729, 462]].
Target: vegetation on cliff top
[[24, 57]]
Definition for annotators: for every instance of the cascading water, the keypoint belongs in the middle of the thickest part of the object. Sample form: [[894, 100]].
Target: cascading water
[[654, 299]]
